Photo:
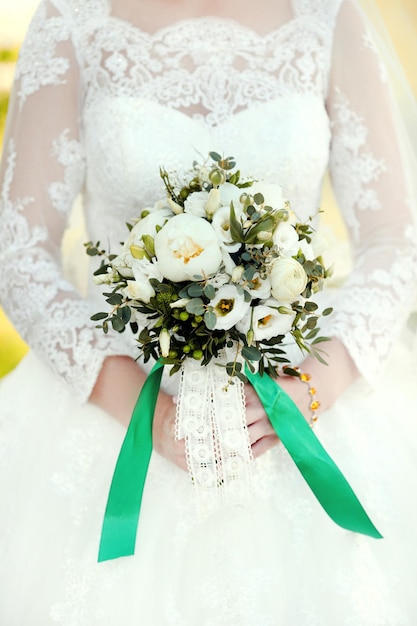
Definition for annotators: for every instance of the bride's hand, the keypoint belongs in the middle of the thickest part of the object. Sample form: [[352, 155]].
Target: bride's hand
[[261, 434], [116, 392], [163, 433]]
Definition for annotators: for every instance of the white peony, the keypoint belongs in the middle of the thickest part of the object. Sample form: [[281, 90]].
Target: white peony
[[288, 279], [229, 306], [267, 322], [187, 246]]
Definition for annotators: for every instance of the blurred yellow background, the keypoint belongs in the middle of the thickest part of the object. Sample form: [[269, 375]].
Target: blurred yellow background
[[400, 18]]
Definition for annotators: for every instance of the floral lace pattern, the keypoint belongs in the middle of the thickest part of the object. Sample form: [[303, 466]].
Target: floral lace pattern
[[69, 154], [39, 65], [354, 163]]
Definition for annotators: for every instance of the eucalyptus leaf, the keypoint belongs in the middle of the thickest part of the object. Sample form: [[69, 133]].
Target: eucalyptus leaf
[[195, 290], [210, 319], [195, 306], [98, 316], [209, 292]]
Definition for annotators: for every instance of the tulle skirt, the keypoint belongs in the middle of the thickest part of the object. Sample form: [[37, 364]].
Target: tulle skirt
[[274, 560]]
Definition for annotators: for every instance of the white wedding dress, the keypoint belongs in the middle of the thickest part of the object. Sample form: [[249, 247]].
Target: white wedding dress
[[99, 104]]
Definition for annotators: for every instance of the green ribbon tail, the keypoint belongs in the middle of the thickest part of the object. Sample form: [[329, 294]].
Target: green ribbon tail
[[118, 535], [317, 468]]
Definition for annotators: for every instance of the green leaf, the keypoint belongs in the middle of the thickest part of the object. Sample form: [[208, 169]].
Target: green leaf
[[125, 314], [115, 299], [101, 270], [195, 290], [215, 156], [236, 230], [98, 316], [117, 324], [209, 292], [259, 199], [327, 311], [210, 319], [195, 306], [251, 353]]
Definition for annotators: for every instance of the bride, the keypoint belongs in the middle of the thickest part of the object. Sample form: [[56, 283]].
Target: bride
[[106, 92]]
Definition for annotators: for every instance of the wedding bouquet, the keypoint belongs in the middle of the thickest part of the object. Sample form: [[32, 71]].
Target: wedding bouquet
[[213, 280], [219, 262]]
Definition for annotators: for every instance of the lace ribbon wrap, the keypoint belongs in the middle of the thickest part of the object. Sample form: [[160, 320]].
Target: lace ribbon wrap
[[211, 418]]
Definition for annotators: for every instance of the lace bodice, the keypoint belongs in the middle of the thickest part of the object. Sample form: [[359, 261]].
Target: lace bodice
[[99, 104]]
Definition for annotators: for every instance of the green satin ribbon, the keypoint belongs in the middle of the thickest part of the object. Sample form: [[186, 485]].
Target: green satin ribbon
[[328, 484], [118, 534], [320, 472]]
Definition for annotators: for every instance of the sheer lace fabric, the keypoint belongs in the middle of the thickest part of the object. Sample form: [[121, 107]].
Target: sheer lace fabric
[[102, 103], [98, 105]]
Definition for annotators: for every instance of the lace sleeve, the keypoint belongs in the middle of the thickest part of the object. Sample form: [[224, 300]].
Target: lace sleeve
[[369, 176], [41, 174]]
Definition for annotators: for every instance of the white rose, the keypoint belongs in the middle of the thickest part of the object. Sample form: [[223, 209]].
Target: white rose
[[288, 279], [285, 238], [229, 306], [196, 202], [123, 264], [272, 194], [267, 322], [319, 243], [146, 226], [138, 290], [187, 246], [230, 193]]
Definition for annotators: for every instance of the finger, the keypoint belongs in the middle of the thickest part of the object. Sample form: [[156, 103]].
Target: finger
[[259, 430], [263, 445]]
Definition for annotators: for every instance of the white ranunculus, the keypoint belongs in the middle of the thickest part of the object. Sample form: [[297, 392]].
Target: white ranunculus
[[285, 238], [187, 246], [288, 279], [272, 194], [196, 202], [229, 306], [267, 322]]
